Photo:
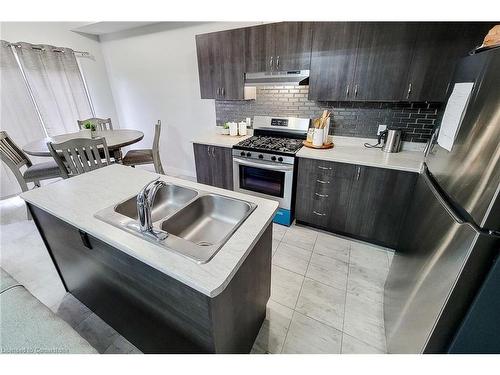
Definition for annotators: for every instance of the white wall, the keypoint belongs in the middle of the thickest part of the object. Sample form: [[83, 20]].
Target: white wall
[[153, 73], [59, 34]]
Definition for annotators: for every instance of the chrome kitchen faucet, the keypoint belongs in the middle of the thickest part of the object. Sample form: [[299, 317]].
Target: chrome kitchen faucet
[[145, 201]]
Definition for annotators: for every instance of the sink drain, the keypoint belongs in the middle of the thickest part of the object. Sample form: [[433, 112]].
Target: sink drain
[[204, 243]]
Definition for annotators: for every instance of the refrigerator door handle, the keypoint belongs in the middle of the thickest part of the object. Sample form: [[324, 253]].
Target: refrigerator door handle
[[443, 201], [452, 212]]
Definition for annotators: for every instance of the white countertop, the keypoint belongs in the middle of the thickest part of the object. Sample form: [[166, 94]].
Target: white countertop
[[77, 199], [351, 150], [346, 150], [211, 138]]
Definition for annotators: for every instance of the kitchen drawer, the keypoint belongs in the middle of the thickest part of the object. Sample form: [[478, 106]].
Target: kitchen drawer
[[325, 170], [323, 193]]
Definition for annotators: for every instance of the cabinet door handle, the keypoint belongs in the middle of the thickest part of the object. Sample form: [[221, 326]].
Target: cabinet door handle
[[321, 195], [409, 91], [271, 63], [323, 182], [347, 91], [223, 91], [324, 168], [213, 152], [208, 150], [358, 173], [356, 91], [277, 62], [318, 213], [85, 239]]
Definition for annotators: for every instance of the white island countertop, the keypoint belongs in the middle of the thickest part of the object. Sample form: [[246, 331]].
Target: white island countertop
[[352, 150], [77, 199]]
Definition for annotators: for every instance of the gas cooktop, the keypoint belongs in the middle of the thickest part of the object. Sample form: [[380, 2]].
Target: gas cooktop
[[270, 144]]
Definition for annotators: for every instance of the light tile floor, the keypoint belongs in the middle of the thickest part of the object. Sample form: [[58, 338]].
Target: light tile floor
[[326, 292]]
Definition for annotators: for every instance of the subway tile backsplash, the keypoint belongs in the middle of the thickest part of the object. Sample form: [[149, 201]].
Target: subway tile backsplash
[[354, 119]]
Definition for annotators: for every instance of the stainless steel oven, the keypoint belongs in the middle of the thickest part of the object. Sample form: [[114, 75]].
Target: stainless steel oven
[[263, 165], [262, 177]]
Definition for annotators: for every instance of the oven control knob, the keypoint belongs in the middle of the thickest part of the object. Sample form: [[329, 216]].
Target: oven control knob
[[249, 154], [242, 153], [261, 156], [273, 158], [280, 159]]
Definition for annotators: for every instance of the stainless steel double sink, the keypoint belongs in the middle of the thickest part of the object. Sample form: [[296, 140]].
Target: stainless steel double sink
[[198, 223]]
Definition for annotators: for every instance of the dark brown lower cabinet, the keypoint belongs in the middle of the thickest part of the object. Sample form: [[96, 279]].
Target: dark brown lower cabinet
[[366, 203], [155, 312], [323, 193], [214, 165], [379, 200]]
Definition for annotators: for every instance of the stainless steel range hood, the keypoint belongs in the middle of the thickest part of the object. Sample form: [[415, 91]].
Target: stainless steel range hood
[[286, 77]]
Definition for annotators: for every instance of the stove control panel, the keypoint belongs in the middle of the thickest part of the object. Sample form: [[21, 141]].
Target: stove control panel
[[283, 122]]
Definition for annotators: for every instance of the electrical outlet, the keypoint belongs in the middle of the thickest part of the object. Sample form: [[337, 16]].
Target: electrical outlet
[[381, 128]]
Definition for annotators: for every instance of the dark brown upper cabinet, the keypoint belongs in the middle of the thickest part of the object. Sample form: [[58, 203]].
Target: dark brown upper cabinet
[[437, 48], [360, 60], [382, 61], [221, 64], [278, 46], [349, 61], [259, 48], [333, 59], [205, 50]]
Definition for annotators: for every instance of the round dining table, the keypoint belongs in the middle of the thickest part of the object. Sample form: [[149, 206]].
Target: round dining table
[[115, 140]]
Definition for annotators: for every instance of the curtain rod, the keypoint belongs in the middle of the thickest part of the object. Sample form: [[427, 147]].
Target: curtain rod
[[80, 53]]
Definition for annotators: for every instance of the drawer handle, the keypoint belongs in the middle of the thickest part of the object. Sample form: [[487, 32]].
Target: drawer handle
[[318, 213], [323, 182], [322, 195], [324, 168]]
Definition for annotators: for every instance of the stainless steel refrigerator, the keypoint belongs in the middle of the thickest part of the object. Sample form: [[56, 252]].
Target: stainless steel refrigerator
[[451, 232]]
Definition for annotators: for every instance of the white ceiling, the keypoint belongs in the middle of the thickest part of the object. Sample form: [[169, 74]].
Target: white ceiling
[[102, 28]]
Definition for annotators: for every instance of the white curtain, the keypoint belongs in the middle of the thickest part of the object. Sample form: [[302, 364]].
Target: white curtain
[[57, 86], [17, 113]]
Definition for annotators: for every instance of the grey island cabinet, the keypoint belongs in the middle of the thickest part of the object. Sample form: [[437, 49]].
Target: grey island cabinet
[[159, 300]]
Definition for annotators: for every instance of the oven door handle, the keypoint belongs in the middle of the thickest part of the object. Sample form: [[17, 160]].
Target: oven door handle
[[281, 168]]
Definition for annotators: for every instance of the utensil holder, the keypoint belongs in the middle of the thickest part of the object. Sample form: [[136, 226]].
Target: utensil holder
[[326, 130], [318, 137]]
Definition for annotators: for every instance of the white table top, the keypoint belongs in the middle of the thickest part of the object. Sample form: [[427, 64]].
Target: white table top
[[116, 138], [76, 200]]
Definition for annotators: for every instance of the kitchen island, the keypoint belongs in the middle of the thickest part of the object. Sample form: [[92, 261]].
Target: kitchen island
[[160, 300]]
